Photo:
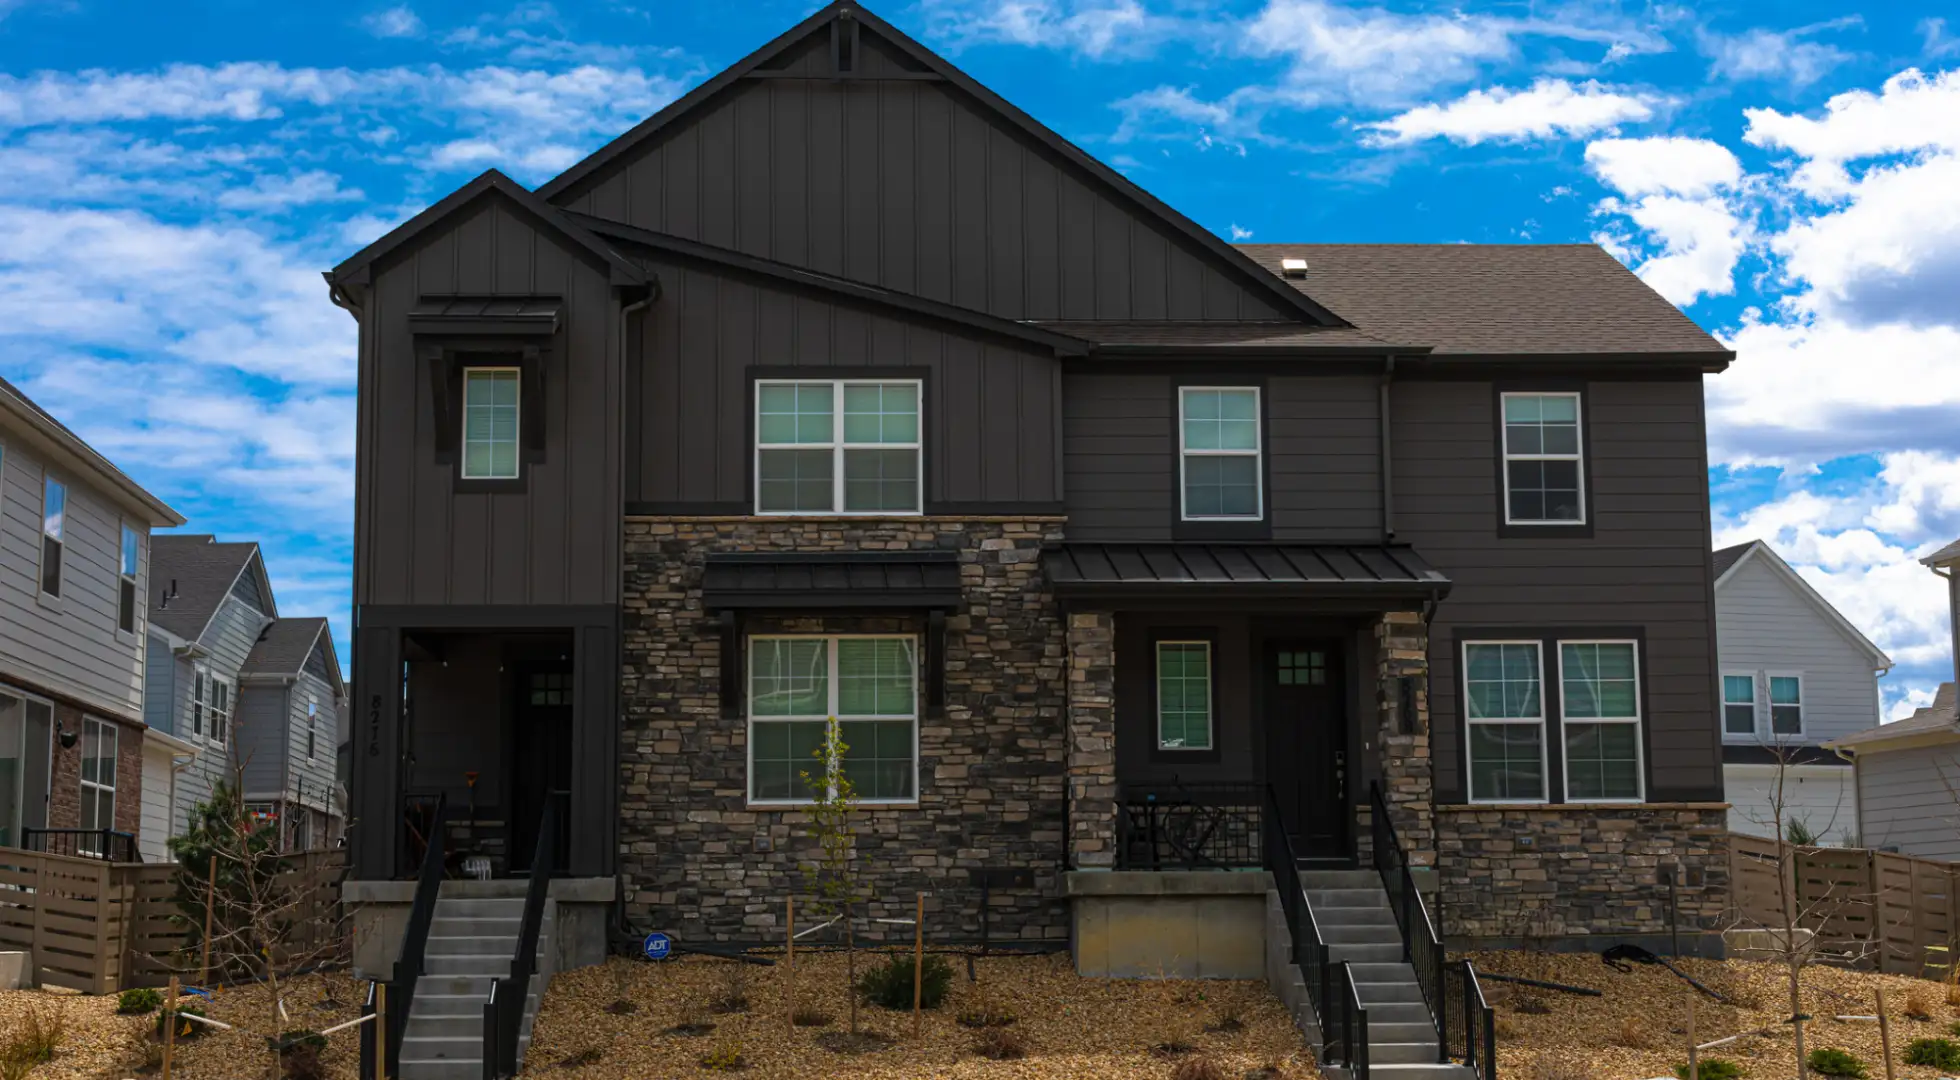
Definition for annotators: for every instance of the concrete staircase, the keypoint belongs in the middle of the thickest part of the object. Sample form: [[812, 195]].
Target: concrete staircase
[[1352, 910], [471, 942]]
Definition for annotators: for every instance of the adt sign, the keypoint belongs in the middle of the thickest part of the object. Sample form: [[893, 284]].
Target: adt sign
[[658, 946]]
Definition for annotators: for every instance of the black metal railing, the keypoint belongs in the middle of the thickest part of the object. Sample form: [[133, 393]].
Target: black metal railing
[[1473, 1040], [367, 1069], [1330, 985], [503, 1011], [1189, 826], [411, 962], [105, 844], [1421, 948]]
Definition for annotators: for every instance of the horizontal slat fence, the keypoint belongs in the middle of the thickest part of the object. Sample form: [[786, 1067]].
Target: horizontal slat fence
[[1872, 908]]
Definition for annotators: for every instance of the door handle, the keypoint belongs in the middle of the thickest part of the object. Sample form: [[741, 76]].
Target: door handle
[[1340, 773]]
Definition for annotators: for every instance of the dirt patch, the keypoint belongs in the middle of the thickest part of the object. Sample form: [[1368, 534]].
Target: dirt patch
[[242, 1054]]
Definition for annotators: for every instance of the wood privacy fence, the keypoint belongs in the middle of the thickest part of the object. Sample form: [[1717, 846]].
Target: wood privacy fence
[[1871, 908], [99, 927]]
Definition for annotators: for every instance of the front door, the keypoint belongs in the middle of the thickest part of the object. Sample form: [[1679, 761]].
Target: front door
[[1306, 743], [542, 765]]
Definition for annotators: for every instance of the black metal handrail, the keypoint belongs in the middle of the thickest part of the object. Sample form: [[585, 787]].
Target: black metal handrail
[[503, 1010], [411, 961], [367, 1069], [108, 845], [1478, 1046], [1189, 826], [1421, 948], [1330, 986]]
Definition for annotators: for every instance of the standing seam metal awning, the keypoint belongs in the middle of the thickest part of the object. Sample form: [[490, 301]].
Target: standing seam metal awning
[[1084, 570], [486, 315], [856, 579]]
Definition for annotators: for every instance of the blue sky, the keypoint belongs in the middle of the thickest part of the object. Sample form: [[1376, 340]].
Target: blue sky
[[173, 177]]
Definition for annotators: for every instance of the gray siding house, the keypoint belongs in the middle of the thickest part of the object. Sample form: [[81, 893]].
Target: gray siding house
[[74, 567], [1796, 675], [290, 702]]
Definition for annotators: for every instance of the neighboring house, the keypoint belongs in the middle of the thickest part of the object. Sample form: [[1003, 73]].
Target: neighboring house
[[74, 567], [252, 697], [1795, 675], [843, 392]]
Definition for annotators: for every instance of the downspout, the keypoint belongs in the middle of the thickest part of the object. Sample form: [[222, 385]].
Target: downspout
[[1388, 464], [1953, 612]]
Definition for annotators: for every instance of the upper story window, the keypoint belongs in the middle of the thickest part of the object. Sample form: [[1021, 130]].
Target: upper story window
[[1219, 445], [131, 565], [210, 706], [312, 725], [1739, 704], [838, 446], [1544, 474], [1786, 705], [799, 687], [490, 409], [54, 514]]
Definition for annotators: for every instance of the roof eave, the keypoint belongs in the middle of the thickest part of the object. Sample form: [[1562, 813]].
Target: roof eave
[[133, 495]]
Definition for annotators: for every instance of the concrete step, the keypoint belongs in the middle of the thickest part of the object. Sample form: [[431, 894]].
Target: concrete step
[[1402, 1053], [440, 1070], [1360, 934], [475, 908], [1340, 879], [1407, 1031], [476, 986], [494, 965], [1383, 1013], [1330, 915], [444, 926], [1366, 954], [445, 1047], [1395, 972], [1327, 899], [462, 945], [1373, 994], [1427, 1071]]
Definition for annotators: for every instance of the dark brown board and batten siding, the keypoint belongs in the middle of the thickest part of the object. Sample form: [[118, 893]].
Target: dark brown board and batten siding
[[906, 185], [991, 406], [1645, 565], [556, 542]]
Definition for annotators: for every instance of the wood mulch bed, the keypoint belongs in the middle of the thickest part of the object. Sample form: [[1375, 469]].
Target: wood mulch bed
[[1075, 1027], [1638, 1029], [96, 1040], [128, 1049]]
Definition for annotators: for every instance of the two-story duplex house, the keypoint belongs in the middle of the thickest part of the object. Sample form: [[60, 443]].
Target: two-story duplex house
[[843, 395], [1796, 674], [74, 568], [257, 697]]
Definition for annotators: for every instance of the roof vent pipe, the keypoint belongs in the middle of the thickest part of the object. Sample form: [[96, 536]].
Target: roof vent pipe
[[1293, 268]]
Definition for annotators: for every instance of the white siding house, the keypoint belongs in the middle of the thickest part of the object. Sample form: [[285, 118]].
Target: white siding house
[[1795, 675], [1909, 781]]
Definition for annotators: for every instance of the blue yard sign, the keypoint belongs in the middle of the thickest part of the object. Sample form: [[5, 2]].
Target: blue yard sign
[[658, 946]]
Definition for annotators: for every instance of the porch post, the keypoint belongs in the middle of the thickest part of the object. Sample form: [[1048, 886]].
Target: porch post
[[1091, 740], [1408, 783], [374, 824]]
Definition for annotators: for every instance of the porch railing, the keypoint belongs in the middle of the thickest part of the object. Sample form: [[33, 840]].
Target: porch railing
[[105, 844], [1330, 985], [1421, 948], [1180, 826], [412, 960], [503, 1013], [1474, 1040]]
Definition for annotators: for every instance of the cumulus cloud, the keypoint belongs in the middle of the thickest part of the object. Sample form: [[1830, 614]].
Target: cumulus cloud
[[395, 22], [1788, 56], [1548, 108], [1681, 197], [1098, 29]]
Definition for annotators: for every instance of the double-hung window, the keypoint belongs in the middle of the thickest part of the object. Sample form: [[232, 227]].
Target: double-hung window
[[132, 562], [1504, 691], [1785, 705], [1544, 474], [1184, 695], [1599, 706], [838, 446], [312, 725], [54, 514], [1219, 444], [490, 410], [210, 706], [1739, 704], [98, 782], [863, 687]]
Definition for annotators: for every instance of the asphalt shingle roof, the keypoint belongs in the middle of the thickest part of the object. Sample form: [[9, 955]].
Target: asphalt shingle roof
[[202, 571], [283, 647], [1947, 554], [1728, 556], [1939, 716]]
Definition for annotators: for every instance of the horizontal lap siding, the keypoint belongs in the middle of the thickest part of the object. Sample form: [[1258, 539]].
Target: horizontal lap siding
[[1766, 624], [1646, 564], [311, 779], [990, 408], [1908, 799]]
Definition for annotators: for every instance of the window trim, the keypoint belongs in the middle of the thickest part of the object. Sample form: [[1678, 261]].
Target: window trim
[[1543, 723], [60, 538], [1508, 528], [1257, 454], [1755, 702], [1638, 720], [1769, 731], [1157, 745], [833, 718], [463, 429], [836, 444], [204, 715], [312, 725], [85, 785], [133, 581]]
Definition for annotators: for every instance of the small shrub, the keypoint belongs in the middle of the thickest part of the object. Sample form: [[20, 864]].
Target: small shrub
[[1549, 1068], [1831, 1061], [591, 1055], [1200, 1067], [140, 1000], [186, 1029], [299, 1037], [809, 1016], [1919, 1005], [622, 1007], [986, 1017], [1229, 1017], [1529, 1004], [1953, 995], [890, 984], [1000, 1044], [733, 997], [1505, 1028], [724, 1058], [1633, 1032], [1712, 1069], [1939, 1053]]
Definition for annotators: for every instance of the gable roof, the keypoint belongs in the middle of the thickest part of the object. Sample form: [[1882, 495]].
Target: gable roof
[[1511, 299], [1936, 719], [1757, 551], [624, 272], [14, 401], [1249, 274], [1945, 556], [285, 645], [202, 572]]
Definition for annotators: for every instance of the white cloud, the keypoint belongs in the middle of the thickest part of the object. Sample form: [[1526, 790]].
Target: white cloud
[[285, 192], [1097, 29], [1670, 165], [1681, 196], [238, 91], [1549, 108], [395, 22], [1911, 112], [1240, 236], [1934, 39], [1782, 56]]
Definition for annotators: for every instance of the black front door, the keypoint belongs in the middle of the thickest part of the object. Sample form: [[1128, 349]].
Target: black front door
[[1306, 743], [541, 766]]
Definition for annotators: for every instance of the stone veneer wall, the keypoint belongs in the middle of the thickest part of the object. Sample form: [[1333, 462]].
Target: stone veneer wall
[[1092, 740], [1585, 875], [698, 862], [1408, 783]]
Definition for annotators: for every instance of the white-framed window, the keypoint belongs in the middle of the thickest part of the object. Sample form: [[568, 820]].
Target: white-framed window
[[839, 446], [1785, 704], [54, 519], [1599, 712], [490, 412], [312, 725], [300, 836], [1544, 467], [1739, 703], [130, 566], [1503, 685], [210, 705], [866, 685], [98, 782], [1219, 445], [1184, 695]]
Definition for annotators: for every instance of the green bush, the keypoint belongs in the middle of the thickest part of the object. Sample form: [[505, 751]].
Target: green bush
[[140, 1000], [1712, 1069], [1830, 1061], [297, 1037], [186, 1029], [1939, 1053], [890, 983]]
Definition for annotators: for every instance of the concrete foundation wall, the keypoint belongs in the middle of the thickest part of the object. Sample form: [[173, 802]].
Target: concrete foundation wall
[[580, 910], [1201, 924]]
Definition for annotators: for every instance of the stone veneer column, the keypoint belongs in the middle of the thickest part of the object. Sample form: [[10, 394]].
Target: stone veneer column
[[1091, 740], [1408, 783]]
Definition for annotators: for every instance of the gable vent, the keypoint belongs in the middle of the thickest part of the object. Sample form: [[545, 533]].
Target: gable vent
[[1293, 268]]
